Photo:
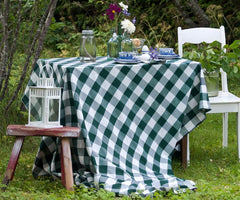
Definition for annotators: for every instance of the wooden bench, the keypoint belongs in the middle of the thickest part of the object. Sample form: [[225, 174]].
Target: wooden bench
[[21, 131]]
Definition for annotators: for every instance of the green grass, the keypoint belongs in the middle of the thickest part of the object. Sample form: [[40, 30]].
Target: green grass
[[214, 169]]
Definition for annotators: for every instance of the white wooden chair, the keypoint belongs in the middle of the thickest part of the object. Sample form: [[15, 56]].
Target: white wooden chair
[[225, 102]]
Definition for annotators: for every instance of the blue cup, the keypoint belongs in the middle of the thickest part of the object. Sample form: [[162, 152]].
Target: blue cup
[[127, 55], [166, 51]]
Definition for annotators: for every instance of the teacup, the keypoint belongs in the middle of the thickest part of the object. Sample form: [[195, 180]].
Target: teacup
[[166, 51], [127, 55]]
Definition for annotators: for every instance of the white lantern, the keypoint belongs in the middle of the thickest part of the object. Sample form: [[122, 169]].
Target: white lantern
[[44, 101]]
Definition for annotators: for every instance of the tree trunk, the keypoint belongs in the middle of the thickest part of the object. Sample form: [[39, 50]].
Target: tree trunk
[[12, 51], [12, 36], [5, 47], [184, 14], [199, 13], [196, 10]]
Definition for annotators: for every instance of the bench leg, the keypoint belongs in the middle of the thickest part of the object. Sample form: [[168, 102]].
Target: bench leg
[[12, 164], [66, 165]]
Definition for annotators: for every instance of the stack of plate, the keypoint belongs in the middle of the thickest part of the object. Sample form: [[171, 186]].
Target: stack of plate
[[127, 61], [168, 57]]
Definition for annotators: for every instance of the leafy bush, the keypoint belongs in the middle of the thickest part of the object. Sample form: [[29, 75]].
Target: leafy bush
[[157, 22], [212, 57]]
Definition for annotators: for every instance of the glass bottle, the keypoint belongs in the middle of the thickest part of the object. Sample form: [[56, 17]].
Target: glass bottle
[[126, 44], [113, 47], [87, 46], [120, 37]]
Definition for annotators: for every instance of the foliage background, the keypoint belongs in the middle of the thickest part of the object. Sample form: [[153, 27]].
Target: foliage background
[[157, 21]]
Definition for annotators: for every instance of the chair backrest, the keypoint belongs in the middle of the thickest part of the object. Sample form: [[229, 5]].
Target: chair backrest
[[199, 35]]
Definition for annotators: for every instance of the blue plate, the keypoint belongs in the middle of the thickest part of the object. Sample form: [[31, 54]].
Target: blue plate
[[127, 61], [168, 57]]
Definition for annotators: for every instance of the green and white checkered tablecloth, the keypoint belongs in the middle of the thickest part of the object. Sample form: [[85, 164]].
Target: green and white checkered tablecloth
[[131, 117]]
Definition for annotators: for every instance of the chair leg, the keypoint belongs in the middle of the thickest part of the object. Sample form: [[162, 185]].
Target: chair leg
[[188, 151], [238, 132], [225, 129], [12, 164], [66, 164]]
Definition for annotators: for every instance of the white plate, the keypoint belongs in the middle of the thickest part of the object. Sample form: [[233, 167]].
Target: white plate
[[159, 60], [127, 61]]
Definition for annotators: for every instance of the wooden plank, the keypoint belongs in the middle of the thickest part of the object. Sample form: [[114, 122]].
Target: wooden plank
[[22, 130]]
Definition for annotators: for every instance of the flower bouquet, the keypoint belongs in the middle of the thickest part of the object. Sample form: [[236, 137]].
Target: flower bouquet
[[118, 42], [115, 12]]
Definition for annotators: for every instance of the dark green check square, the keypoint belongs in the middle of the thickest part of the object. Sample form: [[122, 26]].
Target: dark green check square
[[103, 169], [171, 108]]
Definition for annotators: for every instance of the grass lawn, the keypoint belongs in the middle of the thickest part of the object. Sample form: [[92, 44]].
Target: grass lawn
[[214, 169]]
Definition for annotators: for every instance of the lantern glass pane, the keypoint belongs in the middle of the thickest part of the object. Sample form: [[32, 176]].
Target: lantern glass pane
[[36, 109], [53, 110]]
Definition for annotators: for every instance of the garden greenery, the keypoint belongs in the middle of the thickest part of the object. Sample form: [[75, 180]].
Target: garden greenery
[[156, 21], [212, 57]]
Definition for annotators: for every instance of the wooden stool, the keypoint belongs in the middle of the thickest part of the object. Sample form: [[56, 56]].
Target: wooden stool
[[20, 131]]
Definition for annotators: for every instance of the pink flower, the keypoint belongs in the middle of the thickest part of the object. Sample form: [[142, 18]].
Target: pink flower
[[113, 8]]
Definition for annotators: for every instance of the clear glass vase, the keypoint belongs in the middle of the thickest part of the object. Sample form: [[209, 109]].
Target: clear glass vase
[[120, 37], [212, 82], [137, 45], [87, 50], [126, 44], [113, 47]]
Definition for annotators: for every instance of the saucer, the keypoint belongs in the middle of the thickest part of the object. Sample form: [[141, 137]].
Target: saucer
[[169, 56], [127, 61]]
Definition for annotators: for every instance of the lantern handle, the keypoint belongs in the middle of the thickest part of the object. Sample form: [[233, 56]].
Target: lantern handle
[[48, 68]]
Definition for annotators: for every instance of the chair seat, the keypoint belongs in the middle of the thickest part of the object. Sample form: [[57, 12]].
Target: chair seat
[[224, 102], [224, 97]]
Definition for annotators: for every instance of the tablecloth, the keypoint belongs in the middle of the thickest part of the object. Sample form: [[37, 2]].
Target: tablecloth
[[131, 117]]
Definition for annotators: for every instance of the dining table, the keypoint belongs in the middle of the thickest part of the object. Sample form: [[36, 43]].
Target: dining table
[[131, 117]]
